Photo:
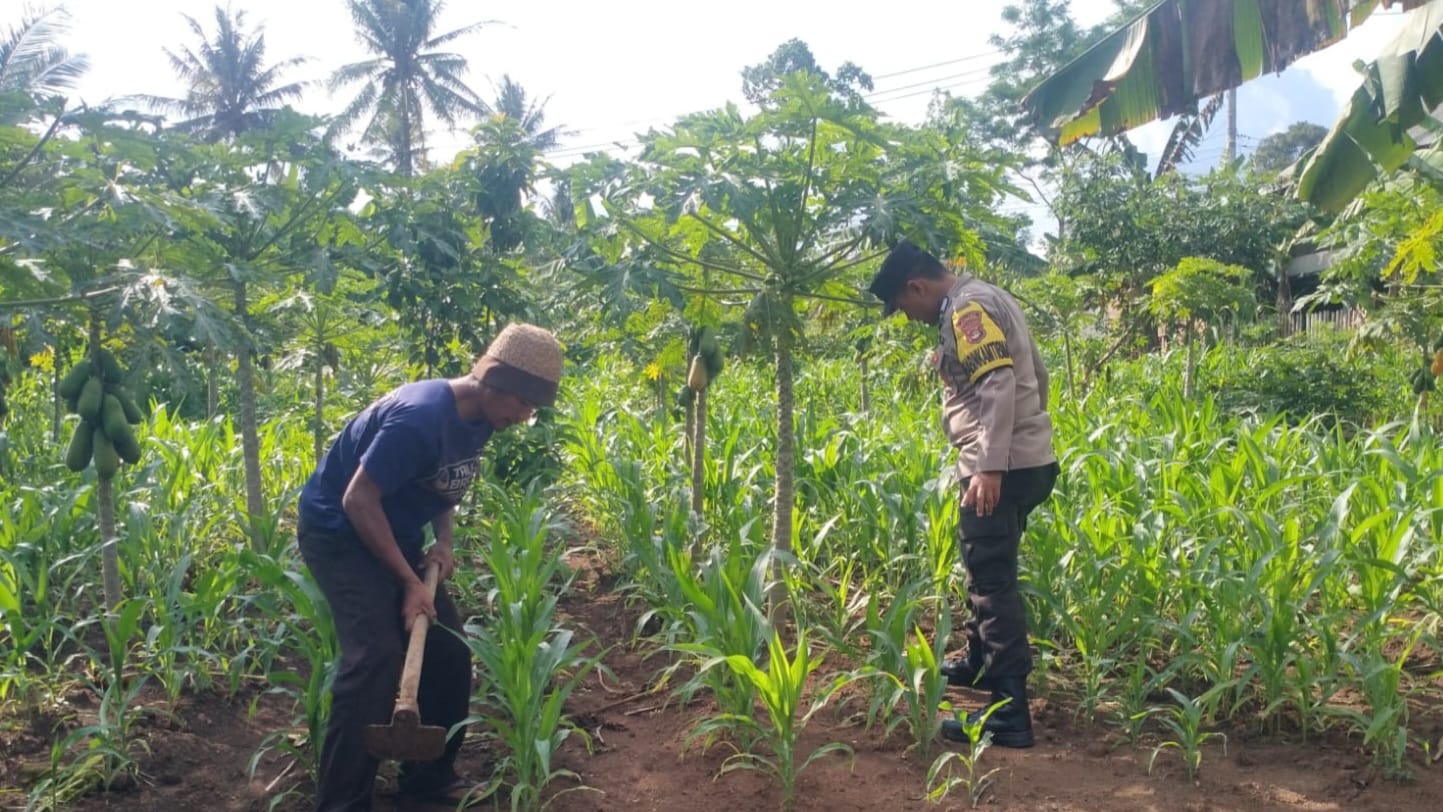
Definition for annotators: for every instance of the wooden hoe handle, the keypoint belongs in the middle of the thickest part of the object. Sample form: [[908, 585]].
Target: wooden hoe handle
[[406, 710]]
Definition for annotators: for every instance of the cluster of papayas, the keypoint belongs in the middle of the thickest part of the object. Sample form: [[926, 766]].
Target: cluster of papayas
[[92, 390]]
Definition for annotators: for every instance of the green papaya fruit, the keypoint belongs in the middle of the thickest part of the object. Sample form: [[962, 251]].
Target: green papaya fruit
[[714, 361], [696, 376], [91, 398], [74, 380], [77, 455], [107, 462], [110, 370], [112, 417], [127, 446], [133, 415], [124, 440]]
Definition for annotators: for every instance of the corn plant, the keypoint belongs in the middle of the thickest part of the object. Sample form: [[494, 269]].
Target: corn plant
[[942, 777], [100, 755], [528, 662], [780, 686], [724, 616], [905, 665], [1184, 720], [297, 624], [1385, 722], [886, 625]]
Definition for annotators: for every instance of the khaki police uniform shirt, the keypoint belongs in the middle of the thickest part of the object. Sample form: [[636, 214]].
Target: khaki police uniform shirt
[[994, 397]]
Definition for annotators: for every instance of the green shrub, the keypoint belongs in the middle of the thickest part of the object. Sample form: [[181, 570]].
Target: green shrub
[[1302, 377]]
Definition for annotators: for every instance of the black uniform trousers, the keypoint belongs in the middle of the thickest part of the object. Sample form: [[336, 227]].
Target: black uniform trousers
[[365, 601], [996, 630]]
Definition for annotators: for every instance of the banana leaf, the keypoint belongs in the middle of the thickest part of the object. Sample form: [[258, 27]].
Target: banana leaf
[[1377, 132], [1181, 51]]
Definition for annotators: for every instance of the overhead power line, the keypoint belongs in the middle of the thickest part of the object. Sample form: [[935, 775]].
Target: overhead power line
[[928, 86], [930, 82], [936, 65]]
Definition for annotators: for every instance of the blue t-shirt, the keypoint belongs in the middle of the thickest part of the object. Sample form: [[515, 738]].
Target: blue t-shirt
[[414, 446]]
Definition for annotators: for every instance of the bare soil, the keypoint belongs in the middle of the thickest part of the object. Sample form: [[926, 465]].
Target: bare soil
[[198, 758]]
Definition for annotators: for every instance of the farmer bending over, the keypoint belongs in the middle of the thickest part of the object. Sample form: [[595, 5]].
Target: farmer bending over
[[402, 463]]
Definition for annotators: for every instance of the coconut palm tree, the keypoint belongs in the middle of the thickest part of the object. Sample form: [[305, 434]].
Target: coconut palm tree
[[504, 164], [512, 102], [231, 89], [406, 80], [31, 58]]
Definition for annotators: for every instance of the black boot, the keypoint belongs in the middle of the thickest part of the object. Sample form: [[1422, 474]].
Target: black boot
[[963, 673], [1010, 724]]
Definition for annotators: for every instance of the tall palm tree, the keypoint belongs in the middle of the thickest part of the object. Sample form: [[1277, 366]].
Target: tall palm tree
[[406, 80], [511, 102], [31, 58], [231, 89], [509, 147]]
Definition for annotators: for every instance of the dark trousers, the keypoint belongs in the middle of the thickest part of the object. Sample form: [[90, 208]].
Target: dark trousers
[[996, 630], [365, 601]]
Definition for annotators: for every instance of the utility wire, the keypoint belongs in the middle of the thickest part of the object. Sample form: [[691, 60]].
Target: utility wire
[[935, 65], [929, 85], [933, 81]]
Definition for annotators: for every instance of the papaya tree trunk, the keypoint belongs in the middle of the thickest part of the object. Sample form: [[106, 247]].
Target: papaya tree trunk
[[104, 498], [250, 445], [57, 403], [319, 428], [698, 462], [689, 437], [1187, 369], [1067, 358], [785, 467], [109, 555], [212, 381], [866, 399]]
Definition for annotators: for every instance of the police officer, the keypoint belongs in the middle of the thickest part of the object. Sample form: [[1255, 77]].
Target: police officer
[[994, 412]]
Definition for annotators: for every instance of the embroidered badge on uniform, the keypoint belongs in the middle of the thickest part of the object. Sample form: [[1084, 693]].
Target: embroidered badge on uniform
[[981, 345], [970, 329]]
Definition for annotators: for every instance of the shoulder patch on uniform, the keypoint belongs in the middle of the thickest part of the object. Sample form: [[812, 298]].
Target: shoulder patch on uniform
[[981, 345]]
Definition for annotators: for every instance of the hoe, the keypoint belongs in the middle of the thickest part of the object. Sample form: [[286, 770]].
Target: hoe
[[405, 738]]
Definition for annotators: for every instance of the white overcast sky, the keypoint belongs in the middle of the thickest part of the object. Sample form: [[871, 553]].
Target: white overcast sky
[[611, 69]]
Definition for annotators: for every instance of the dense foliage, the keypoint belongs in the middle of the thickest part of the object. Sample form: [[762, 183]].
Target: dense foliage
[[1252, 524]]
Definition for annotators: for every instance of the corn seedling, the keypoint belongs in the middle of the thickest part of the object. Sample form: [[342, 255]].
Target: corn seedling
[[924, 686], [780, 687], [942, 777], [1184, 720]]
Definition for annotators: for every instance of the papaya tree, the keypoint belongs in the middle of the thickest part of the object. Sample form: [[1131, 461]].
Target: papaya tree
[[263, 200], [449, 289], [704, 365], [774, 215], [1202, 291], [83, 270]]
